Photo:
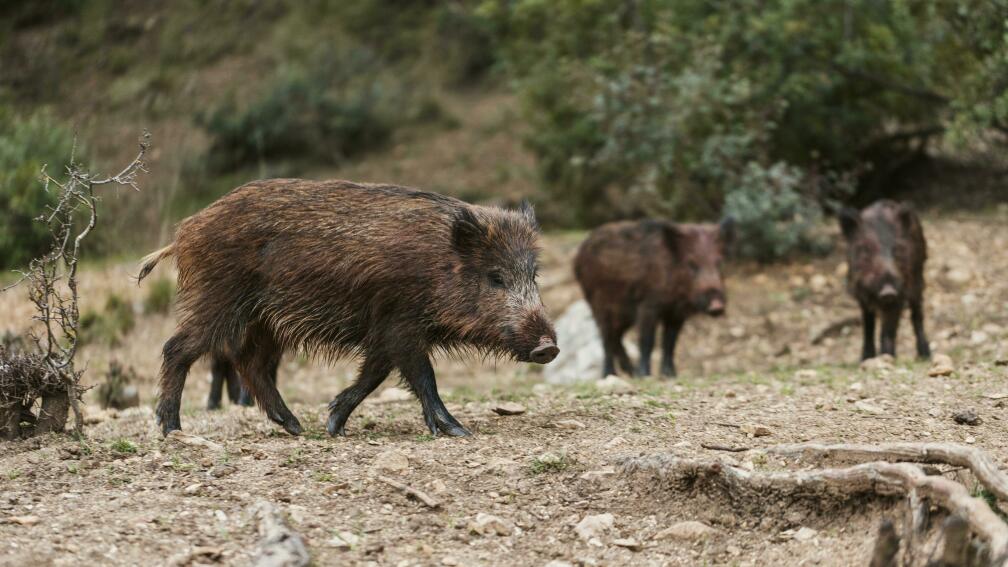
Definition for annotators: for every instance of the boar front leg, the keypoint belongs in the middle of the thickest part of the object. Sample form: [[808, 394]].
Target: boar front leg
[[868, 327], [669, 338], [917, 317], [373, 372], [890, 323], [419, 374]]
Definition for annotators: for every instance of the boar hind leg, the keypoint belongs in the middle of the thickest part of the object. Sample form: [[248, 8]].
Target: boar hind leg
[[180, 352], [917, 317], [221, 375], [669, 338], [419, 374], [241, 395], [647, 323], [259, 356], [868, 327], [373, 372], [890, 323]]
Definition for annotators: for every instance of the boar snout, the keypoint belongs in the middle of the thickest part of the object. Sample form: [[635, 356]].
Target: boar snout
[[545, 352], [716, 307], [888, 294]]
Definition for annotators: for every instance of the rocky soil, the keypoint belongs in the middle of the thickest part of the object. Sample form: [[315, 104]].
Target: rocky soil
[[540, 485]]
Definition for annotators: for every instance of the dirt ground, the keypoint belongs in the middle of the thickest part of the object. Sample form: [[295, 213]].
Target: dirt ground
[[122, 495]]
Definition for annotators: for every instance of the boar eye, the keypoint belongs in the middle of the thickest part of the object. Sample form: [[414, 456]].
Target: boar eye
[[496, 279]]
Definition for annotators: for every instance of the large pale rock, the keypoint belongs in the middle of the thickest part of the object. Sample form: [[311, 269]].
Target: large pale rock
[[690, 530], [594, 526], [580, 357]]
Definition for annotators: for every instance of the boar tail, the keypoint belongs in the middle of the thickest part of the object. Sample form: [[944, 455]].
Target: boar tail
[[152, 259]]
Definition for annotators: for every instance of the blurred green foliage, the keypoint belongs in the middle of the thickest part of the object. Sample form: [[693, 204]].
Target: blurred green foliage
[[160, 294], [679, 107], [108, 326], [27, 143]]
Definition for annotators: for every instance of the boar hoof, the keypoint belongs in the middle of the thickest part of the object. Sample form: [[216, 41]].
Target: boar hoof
[[292, 426], [336, 424]]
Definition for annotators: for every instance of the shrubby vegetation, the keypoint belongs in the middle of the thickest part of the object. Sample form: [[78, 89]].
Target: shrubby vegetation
[[675, 108], [26, 144]]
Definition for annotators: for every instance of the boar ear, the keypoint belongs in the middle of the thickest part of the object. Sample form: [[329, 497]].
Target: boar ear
[[726, 228], [850, 219], [467, 231], [673, 237], [906, 215], [525, 208]]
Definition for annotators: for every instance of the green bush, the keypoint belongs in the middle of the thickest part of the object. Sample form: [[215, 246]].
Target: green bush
[[774, 217], [335, 108], [160, 294], [26, 144], [108, 326]]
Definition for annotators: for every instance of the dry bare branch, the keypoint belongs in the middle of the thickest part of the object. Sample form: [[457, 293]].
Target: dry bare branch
[[428, 500]]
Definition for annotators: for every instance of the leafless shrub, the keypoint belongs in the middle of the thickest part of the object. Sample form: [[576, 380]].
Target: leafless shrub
[[45, 370]]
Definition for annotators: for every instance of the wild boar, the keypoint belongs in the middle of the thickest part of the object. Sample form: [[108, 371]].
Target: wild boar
[[337, 268], [649, 272], [886, 251]]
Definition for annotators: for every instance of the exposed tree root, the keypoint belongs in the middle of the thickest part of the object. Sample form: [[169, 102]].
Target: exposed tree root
[[982, 466], [879, 478]]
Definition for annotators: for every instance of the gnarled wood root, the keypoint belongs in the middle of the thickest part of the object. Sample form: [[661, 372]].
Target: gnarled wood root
[[880, 478]]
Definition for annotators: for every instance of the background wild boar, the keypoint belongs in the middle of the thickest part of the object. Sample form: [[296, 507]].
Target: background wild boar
[[338, 268], [649, 272], [886, 252]]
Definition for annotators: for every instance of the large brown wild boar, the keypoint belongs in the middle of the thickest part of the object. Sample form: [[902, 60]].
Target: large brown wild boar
[[338, 268], [649, 272], [223, 376], [886, 252]]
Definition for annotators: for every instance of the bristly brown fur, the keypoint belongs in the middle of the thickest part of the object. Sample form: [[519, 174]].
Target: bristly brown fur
[[338, 268], [650, 272]]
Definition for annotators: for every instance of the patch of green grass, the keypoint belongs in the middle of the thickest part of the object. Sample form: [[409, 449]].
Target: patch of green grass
[[991, 499], [13, 474], [424, 437], [72, 468], [160, 294], [123, 447], [178, 465], [315, 433], [109, 325], [551, 463], [323, 476]]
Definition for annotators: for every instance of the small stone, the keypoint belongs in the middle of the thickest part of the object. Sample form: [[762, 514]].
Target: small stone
[[689, 530], [979, 337], [941, 365], [934, 412], [880, 363], [509, 408], [559, 563], [737, 331], [970, 439], [958, 276], [806, 374], [343, 540], [804, 534], [569, 424], [868, 407], [599, 475], [968, 417], [488, 524], [391, 460], [614, 442], [437, 486], [612, 384], [23, 520], [818, 282], [755, 430], [594, 526], [449, 560], [393, 394], [856, 387], [192, 489], [629, 543]]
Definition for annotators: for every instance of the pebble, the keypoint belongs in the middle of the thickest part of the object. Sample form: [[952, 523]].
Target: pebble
[[391, 460], [509, 408], [628, 543], [488, 524], [755, 430], [569, 424], [941, 365], [968, 417], [612, 384], [594, 526], [689, 530]]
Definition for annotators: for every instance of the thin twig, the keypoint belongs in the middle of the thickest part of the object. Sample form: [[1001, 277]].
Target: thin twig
[[714, 447], [430, 501]]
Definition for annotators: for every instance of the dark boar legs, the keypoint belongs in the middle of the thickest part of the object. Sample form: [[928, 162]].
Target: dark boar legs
[[646, 325], [372, 373], [890, 323], [257, 363], [868, 326], [419, 374], [180, 352], [613, 348], [223, 374], [917, 317], [671, 334]]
